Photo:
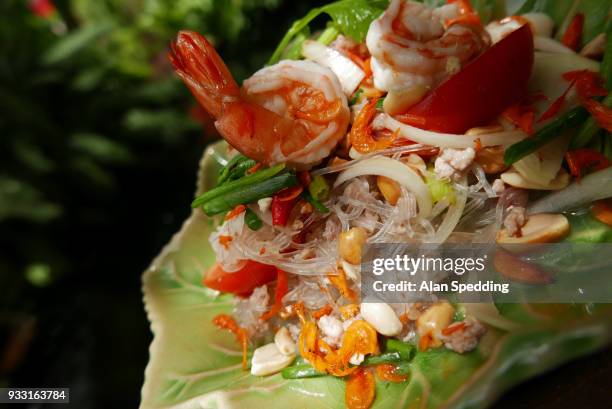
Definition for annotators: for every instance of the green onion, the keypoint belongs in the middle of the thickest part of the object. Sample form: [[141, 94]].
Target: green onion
[[379, 104], [402, 368], [300, 372], [589, 129], [248, 193], [319, 207], [406, 350], [550, 132], [237, 184], [240, 169], [384, 358], [252, 220], [225, 171], [328, 35], [356, 97], [319, 188]]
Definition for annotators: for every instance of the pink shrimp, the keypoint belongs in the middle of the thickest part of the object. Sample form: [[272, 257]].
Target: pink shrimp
[[413, 44], [293, 112]]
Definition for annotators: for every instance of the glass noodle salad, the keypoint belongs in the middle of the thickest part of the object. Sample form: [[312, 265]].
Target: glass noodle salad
[[400, 122]]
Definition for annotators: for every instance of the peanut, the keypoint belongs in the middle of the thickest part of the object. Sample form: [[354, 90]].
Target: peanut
[[350, 244]]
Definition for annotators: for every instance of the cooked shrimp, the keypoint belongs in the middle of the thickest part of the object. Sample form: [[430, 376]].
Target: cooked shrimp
[[413, 44], [293, 112]]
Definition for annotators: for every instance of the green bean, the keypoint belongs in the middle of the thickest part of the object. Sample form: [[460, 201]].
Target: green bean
[[320, 207], [406, 350], [384, 358], [589, 129], [249, 193], [300, 372], [246, 181], [545, 135], [252, 220]]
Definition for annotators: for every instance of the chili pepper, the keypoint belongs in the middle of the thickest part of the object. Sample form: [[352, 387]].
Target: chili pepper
[[325, 310], [548, 133], [591, 126], [290, 193], [457, 326], [235, 212], [588, 83], [556, 106], [281, 210], [600, 112], [281, 290], [585, 159], [388, 373], [573, 35], [522, 116], [304, 178], [602, 211]]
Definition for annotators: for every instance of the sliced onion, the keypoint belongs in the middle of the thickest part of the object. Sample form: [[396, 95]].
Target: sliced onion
[[398, 150], [349, 73], [543, 165], [396, 170], [447, 140], [550, 45], [596, 186]]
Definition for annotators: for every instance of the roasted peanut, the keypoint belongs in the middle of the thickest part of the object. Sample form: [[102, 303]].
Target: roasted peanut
[[350, 244], [389, 188]]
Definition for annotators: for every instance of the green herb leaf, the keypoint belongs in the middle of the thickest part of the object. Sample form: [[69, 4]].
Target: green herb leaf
[[351, 17]]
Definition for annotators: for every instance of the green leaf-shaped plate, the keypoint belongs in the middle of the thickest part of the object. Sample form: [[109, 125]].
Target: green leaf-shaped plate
[[194, 365]]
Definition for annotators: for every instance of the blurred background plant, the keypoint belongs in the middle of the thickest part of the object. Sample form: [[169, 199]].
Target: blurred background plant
[[99, 145]]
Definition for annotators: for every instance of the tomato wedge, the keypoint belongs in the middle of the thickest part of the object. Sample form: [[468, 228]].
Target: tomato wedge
[[241, 282], [481, 90]]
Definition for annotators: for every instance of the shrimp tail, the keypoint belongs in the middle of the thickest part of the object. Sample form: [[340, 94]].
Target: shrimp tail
[[199, 65]]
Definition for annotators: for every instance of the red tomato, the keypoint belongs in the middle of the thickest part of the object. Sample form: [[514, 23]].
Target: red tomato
[[241, 282], [481, 90]]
